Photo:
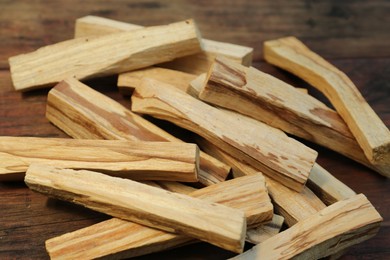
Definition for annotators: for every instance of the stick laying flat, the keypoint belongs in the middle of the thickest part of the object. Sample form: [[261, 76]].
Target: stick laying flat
[[263, 232], [105, 55], [127, 159], [272, 152], [369, 130], [195, 64], [270, 100], [142, 204], [84, 113], [128, 81], [122, 239], [329, 231]]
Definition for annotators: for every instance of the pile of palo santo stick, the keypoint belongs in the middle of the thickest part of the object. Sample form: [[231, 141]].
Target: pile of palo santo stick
[[163, 192]]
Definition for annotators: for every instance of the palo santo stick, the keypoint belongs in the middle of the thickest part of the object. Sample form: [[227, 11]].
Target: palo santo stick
[[371, 133], [171, 186], [194, 64], [280, 105], [123, 239], [84, 113], [142, 204], [105, 55], [293, 206], [263, 232], [270, 151], [327, 232], [128, 81], [126, 159]]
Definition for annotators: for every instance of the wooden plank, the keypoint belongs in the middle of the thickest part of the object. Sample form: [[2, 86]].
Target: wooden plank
[[280, 105], [103, 55], [128, 81], [122, 239], [329, 231], [84, 113], [270, 151], [194, 64], [293, 206], [263, 232], [126, 159], [142, 204], [370, 132]]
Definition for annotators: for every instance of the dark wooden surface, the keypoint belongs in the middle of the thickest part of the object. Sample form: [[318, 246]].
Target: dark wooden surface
[[353, 35]]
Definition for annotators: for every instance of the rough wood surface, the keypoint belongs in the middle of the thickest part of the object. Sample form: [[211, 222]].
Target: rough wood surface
[[263, 232], [350, 34], [272, 152], [142, 204], [105, 55], [369, 130], [84, 113], [278, 104], [126, 159], [128, 81], [331, 230], [195, 64]]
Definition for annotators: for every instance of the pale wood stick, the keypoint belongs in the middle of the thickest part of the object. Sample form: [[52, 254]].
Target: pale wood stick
[[280, 105], [293, 206], [104, 55], [268, 149], [263, 232], [122, 239], [371, 133], [126, 159], [128, 81], [195, 64], [84, 113], [327, 232], [142, 204], [171, 186]]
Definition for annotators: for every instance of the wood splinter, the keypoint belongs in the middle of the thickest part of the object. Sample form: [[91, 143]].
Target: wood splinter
[[126, 159], [142, 204], [370, 132]]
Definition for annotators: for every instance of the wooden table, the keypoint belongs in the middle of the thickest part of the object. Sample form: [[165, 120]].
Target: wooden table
[[353, 35]]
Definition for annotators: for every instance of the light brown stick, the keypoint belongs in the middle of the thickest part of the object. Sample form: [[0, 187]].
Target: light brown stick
[[370, 132], [263, 232], [195, 64], [84, 113], [126, 159], [270, 151], [122, 239], [142, 204], [270, 100], [327, 232], [105, 55]]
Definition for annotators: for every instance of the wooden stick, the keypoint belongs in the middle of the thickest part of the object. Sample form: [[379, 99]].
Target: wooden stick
[[280, 105], [142, 204], [369, 130], [334, 228], [293, 206], [105, 55], [84, 113], [263, 232], [272, 152], [126, 159], [123, 239], [194, 64], [128, 81]]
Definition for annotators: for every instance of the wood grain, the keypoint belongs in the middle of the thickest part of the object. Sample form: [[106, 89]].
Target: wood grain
[[106, 55], [126, 159], [70, 108], [282, 106], [263, 232], [331, 230], [274, 153], [121, 239], [370, 132], [142, 204]]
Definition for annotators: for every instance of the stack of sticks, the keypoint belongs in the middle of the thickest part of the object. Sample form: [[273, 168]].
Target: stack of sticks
[[163, 192]]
